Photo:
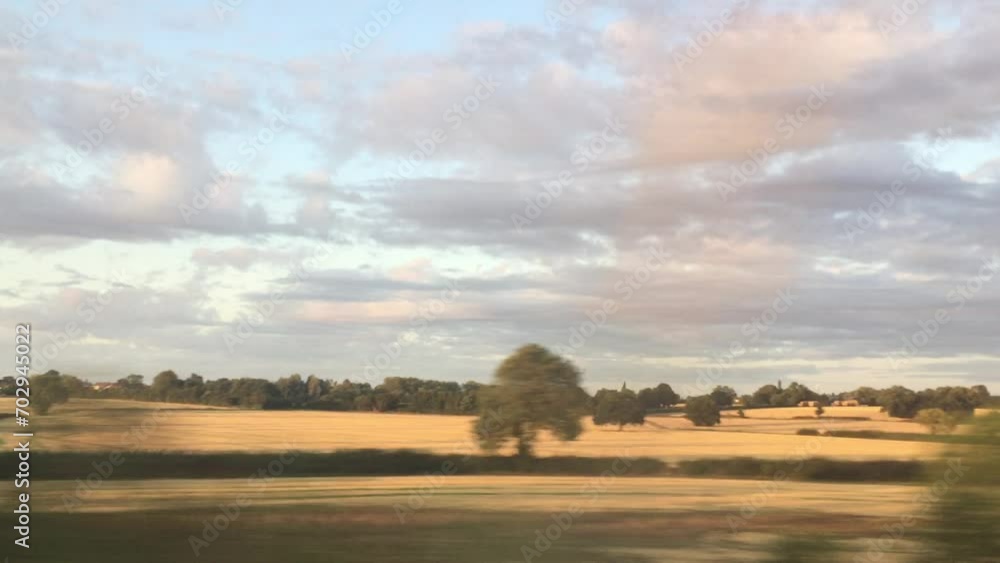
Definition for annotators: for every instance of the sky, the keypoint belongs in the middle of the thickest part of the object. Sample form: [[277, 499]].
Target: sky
[[698, 193]]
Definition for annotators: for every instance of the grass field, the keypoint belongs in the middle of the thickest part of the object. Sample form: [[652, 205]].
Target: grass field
[[96, 425]]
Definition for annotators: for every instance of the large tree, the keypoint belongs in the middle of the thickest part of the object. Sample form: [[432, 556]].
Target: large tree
[[982, 395], [164, 383], [723, 395], [618, 407], [658, 397], [763, 396], [533, 390], [793, 395], [899, 401], [702, 411], [46, 390], [865, 395]]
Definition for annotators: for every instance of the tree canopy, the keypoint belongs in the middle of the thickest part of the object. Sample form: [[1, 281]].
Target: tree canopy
[[47, 389], [619, 408], [658, 397], [702, 411], [533, 390]]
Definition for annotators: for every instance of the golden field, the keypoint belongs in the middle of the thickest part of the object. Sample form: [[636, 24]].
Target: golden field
[[483, 517], [95, 425], [647, 519], [489, 493]]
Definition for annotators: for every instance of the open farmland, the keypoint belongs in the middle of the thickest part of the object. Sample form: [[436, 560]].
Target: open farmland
[[483, 518], [98, 425], [489, 493]]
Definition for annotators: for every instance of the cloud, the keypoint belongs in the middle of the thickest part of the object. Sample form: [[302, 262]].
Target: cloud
[[688, 125]]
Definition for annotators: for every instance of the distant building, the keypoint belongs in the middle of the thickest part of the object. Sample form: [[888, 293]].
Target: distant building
[[846, 403], [808, 403], [104, 386]]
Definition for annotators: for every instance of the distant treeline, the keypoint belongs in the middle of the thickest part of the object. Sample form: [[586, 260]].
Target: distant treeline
[[395, 394], [897, 401], [412, 395]]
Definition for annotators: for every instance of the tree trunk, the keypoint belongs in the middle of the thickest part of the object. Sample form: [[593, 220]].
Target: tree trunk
[[523, 448]]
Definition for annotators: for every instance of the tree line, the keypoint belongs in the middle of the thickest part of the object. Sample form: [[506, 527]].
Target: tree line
[[395, 394], [412, 395]]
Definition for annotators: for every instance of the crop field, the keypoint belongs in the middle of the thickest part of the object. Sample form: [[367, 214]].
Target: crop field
[[641, 520], [98, 425], [487, 493], [457, 517]]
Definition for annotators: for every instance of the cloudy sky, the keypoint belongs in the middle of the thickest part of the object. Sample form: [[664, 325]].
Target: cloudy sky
[[711, 192]]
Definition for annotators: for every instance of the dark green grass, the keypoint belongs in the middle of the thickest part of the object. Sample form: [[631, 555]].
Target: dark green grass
[[147, 465], [323, 534], [151, 465]]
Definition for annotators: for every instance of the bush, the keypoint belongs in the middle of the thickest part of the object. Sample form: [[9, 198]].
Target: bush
[[965, 523], [807, 432], [937, 421]]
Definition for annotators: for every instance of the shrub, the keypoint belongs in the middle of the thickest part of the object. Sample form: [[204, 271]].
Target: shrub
[[807, 432], [937, 421]]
